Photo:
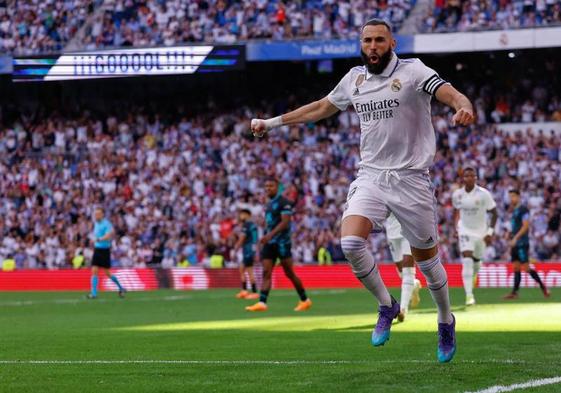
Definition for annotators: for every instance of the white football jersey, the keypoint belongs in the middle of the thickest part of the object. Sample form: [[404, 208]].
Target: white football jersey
[[394, 111], [393, 228], [473, 207]]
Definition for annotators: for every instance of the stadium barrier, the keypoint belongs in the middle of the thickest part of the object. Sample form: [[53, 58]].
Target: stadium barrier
[[492, 275]]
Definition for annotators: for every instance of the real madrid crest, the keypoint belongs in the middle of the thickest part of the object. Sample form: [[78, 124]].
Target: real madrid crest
[[396, 85], [359, 80]]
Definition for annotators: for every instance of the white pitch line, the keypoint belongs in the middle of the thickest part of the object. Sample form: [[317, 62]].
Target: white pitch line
[[245, 362], [133, 298], [534, 383]]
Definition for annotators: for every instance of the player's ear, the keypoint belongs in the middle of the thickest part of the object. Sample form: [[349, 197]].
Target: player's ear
[[393, 43]]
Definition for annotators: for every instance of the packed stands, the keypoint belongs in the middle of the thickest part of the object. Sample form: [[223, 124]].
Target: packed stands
[[173, 182], [473, 15], [35, 26]]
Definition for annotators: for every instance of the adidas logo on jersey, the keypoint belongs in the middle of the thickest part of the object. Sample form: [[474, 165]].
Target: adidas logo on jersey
[[356, 93]]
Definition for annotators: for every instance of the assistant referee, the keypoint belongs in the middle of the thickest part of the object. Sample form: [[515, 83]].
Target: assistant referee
[[103, 234]]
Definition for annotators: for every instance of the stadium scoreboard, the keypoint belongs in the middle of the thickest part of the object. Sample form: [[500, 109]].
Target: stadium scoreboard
[[129, 62]]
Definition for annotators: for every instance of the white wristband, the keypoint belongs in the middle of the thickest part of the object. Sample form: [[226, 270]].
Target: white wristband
[[274, 122], [490, 232]]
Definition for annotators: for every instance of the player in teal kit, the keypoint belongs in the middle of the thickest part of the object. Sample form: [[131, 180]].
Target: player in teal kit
[[277, 246], [103, 233], [520, 245], [247, 241]]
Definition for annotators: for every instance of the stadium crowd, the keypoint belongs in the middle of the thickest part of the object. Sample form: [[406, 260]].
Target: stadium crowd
[[474, 15], [164, 22], [173, 183], [32, 26], [35, 26]]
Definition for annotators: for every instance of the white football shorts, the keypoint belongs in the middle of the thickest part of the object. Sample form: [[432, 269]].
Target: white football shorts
[[408, 194], [472, 243], [399, 248]]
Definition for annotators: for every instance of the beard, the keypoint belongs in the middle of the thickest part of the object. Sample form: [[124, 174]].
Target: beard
[[379, 67]]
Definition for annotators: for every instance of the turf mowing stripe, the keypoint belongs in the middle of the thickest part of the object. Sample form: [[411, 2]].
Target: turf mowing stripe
[[534, 383], [246, 362]]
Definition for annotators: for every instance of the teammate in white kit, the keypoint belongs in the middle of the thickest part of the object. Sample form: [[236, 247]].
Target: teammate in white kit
[[472, 203], [392, 99], [403, 259]]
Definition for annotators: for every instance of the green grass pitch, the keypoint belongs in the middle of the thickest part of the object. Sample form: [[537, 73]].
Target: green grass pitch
[[168, 341]]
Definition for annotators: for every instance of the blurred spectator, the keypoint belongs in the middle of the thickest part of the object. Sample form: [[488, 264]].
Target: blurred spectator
[[34, 26], [473, 15]]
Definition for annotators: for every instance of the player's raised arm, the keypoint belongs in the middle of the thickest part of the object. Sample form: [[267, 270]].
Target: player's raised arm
[[448, 95], [311, 112]]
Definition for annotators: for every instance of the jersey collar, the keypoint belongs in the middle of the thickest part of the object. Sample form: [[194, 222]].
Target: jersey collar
[[388, 71]]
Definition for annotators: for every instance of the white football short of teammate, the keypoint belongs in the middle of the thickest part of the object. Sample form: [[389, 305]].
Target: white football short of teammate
[[472, 203], [403, 259]]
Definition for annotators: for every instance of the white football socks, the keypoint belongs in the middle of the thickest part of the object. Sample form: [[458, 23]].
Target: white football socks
[[467, 275], [476, 267], [407, 286], [437, 282], [364, 268]]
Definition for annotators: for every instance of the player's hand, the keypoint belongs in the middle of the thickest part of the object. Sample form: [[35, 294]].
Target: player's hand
[[463, 117], [265, 239], [512, 243], [258, 127]]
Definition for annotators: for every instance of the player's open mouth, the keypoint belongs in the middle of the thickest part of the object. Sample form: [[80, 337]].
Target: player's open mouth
[[374, 59]]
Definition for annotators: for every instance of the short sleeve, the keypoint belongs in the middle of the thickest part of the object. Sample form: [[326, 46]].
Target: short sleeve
[[426, 79], [456, 200], [525, 214], [108, 227], [286, 208], [490, 202], [340, 95]]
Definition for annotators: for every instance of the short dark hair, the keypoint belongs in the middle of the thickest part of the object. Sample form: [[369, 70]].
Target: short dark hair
[[470, 168], [377, 22], [514, 191], [246, 211], [271, 178]]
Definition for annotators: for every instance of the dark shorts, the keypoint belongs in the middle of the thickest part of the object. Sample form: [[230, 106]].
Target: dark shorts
[[102, 257], [274, 251], [248, 260], [520, 254]]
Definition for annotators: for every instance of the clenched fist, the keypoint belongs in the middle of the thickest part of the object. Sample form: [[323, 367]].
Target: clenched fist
[[259, 126], [463, 117]]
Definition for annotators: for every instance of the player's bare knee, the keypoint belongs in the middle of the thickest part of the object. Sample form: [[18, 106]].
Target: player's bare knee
[[267, 272], [408, 261], [356, 226], [422, 254]]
